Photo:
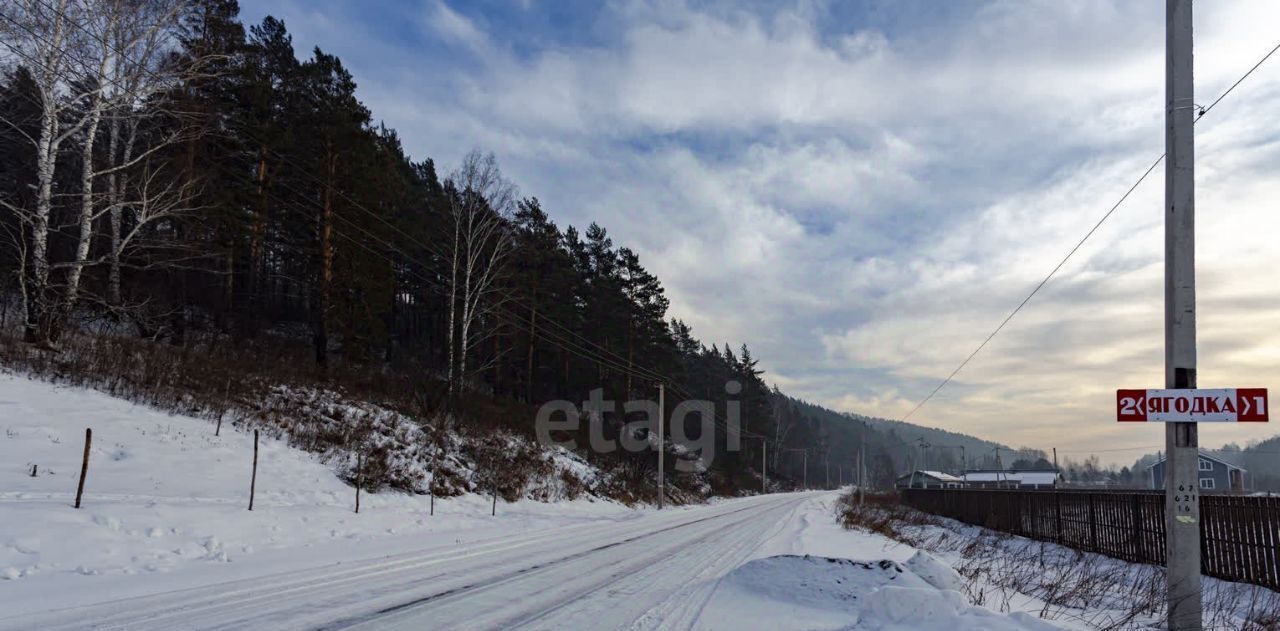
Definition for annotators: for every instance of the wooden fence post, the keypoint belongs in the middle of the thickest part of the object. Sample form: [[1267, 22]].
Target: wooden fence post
[[253, 481], [1093, 526], [84, 465], [226, 394], [359, 478], [1019, 515], [1139, 550], [1057, 515]]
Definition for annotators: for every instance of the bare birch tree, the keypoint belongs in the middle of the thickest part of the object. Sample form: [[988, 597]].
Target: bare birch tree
[[44, 37], [132, 41], [143, 70], [91, 60], [480, 205]]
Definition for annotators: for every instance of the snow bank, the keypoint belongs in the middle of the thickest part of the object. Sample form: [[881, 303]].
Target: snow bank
[[809, 592], [935, 572], [813, 598]]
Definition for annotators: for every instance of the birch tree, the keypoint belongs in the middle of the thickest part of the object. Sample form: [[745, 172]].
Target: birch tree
[[131, 43], [91, 61], [43, 37], [99, 61], [481, 202], [143, 41]]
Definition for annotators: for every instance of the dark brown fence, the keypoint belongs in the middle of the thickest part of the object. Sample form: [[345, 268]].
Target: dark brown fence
[[1240, 535]]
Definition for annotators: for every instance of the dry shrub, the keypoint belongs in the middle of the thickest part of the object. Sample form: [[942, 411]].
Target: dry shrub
[[573, 486], [883, 515], [507, 466]]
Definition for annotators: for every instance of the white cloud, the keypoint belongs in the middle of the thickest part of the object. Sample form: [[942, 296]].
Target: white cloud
[[455, 27]]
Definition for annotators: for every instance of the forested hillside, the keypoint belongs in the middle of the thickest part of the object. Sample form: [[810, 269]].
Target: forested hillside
[[944, 450], [172, 176]]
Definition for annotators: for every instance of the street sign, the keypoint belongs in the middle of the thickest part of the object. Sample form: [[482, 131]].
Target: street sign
[[1207, 405]]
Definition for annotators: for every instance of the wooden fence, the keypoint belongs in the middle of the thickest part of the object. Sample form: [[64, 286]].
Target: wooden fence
[[1240, 536]]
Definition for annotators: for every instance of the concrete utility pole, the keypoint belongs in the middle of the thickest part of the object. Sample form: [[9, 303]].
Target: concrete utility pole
[[805, 465], [764, 466], [662, 472], [913, 460], [862, 472], [1182, 492]]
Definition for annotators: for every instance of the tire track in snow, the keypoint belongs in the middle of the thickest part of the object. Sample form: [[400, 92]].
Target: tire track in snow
[[653, 576], [350, 592], [595, 577], [248, 593], [684, 613]]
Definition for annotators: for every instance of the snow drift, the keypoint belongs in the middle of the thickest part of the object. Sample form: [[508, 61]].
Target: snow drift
[[811, 592]]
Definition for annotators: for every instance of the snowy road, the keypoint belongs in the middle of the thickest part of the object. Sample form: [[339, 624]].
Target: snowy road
[[653, 572]]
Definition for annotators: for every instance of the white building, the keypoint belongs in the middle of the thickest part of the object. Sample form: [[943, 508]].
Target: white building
[[1000, 479], [928, 480]]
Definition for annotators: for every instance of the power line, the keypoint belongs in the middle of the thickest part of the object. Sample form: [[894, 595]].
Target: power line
[[1238, 82], [512, 319], [1037, 287], [583, 348], [598, 353], [1086, 237], [1106, 451], [1242, 451], [630, 369]]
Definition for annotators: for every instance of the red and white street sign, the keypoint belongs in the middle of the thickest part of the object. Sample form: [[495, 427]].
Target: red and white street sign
[[1210, 405]]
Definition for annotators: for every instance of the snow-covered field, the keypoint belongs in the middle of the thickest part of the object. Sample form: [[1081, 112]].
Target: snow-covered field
[[164, 541]]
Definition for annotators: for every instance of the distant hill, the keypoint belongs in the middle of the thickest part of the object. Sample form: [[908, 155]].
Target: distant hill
[[979, 453], [892, 447]]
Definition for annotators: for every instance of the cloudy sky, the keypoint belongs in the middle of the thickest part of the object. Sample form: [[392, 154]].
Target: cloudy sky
[[863, 190]]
